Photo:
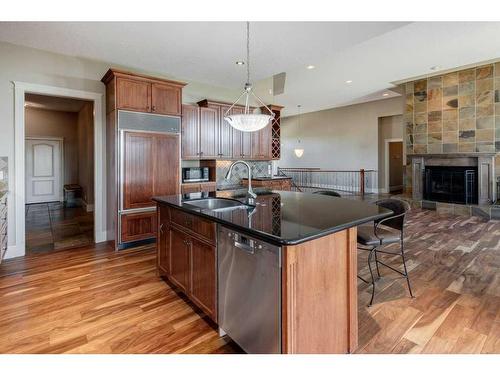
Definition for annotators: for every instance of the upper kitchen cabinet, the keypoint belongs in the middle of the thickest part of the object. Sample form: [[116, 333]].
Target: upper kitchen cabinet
[[261, 144], [143, 93], [242, 141], [190, 131], [221, 136], [207, 135], [209, 132], [166, 99], [133, 94], [225, 135]]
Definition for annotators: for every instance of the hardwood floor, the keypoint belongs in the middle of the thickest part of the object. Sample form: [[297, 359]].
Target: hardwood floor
[[454, 264], [94, 300]]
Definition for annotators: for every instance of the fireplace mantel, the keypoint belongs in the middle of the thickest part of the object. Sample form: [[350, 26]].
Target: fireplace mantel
[[485, 163], [455, 155]]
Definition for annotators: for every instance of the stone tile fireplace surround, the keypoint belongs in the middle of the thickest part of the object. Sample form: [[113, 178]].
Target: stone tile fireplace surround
[[485, 164]]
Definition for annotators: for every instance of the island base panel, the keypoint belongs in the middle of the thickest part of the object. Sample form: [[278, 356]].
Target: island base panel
[[320, 295]]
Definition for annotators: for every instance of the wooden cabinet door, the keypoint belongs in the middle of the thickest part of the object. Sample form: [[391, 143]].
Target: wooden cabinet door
[[138, 226], [209, 129], [166, 179], [179, 259], [138, 169], [203, 277], [166, 99], [190, 131], [242, 141], [163, 241], [133, 94], [225, 136], [261, 144]]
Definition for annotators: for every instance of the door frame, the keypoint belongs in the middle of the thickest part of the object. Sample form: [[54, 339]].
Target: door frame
[[61, 157], [22, 88], [386, 164]]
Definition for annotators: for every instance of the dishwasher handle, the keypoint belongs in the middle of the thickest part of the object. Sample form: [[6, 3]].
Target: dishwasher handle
[[249, 249], [244, 244]]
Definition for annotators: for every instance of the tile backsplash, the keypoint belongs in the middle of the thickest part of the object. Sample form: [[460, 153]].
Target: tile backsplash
[[454, 113], [259, 169], [3, 173]]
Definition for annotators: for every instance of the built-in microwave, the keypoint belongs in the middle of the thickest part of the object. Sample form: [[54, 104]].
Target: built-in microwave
[[195, 174]]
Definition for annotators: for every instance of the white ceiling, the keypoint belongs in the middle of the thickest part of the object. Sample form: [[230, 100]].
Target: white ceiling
[[371, 54]]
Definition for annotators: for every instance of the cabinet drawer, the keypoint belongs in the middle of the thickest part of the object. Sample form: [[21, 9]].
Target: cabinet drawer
[[138, 226], [199, 227]]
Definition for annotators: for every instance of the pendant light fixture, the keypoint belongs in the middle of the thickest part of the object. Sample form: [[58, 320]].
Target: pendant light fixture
[[299, 151], [248, 121]]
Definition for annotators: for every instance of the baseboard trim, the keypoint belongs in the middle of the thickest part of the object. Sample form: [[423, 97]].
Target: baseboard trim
[[14, 251]]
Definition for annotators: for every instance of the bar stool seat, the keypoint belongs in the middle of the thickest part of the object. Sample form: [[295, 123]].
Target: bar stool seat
[[367, 237]]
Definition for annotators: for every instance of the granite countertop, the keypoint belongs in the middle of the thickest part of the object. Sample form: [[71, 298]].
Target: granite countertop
[[283, 217], [268, 178]]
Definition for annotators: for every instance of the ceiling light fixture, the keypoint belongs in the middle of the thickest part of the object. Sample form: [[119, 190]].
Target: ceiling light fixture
[[435, 67], [310, 67], [248, 121], [299, 151], [385, 94], [348, 81], [240, 63]]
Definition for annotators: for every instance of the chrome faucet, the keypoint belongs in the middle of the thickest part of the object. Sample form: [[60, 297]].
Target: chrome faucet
[[250, 194]]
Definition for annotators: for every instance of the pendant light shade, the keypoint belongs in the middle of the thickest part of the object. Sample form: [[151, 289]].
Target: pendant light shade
[[299, 151], [248, 121]]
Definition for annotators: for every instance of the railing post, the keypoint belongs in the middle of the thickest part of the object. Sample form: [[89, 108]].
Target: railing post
[[362, 181]]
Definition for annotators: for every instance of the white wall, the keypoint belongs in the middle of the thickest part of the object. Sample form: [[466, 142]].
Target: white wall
[[40, 67], [344, 138]]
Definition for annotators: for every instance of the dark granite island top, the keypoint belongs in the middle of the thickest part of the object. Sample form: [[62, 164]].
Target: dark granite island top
[[284, 217]]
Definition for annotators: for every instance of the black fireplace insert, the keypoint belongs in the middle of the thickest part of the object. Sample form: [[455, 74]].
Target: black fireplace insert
[[451, 184]]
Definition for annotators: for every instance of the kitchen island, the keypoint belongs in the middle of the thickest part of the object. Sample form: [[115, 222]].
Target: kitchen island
[[313, 298]]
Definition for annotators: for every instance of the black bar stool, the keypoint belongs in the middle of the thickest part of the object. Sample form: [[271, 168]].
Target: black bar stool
[[372, 239]]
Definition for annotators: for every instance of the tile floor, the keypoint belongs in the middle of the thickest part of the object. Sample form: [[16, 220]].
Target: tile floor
[[51, 226]]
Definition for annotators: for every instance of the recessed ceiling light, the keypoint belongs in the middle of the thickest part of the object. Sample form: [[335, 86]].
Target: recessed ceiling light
[[310, 67], [240, 63], [385, 94], [435, 67], [348, 81]]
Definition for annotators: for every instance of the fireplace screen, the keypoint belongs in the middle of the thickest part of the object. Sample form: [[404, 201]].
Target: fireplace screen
[[451, 184]]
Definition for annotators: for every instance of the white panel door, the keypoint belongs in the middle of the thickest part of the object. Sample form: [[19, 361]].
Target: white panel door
[[43, 171]]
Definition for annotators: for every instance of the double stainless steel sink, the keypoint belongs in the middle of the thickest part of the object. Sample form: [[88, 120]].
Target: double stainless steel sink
[[217, 204]]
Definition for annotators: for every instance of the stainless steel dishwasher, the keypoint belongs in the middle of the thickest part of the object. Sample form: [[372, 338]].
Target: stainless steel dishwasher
[[249, 291]]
